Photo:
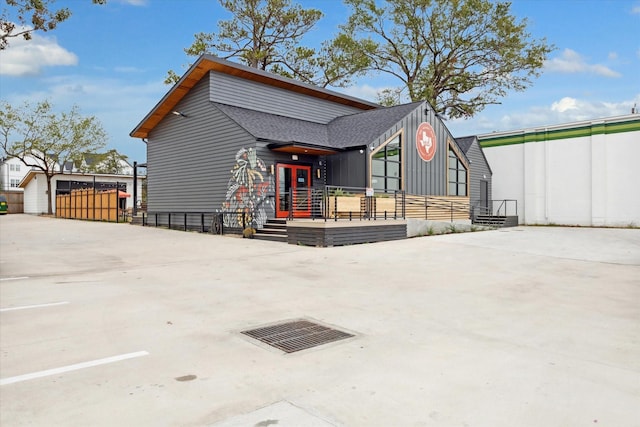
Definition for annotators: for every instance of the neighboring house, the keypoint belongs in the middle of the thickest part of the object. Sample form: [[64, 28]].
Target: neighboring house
[[247, 138], [480, 175], [35, 187], [580, 173], [12, 171], [110, 162]]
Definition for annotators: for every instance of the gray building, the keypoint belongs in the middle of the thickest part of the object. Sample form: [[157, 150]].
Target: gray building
[[237, 139], [480, 174]]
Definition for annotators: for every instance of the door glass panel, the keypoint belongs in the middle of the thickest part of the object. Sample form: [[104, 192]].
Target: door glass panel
[[294, 191], [284, 187], [302, 190]]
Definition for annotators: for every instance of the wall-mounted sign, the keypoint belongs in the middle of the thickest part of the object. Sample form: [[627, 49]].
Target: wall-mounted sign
[[426, 141]]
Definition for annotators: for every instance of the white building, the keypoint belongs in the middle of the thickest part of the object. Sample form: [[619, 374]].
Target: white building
[[12, 172], [580, 173], [35, 187]]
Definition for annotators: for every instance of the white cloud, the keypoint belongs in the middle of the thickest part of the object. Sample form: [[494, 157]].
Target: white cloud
[[564, 110], [134, 2], [613, 56], [364, 91], [635, 10], [117, 103], [564, 104], [28, 57], [572, 62]]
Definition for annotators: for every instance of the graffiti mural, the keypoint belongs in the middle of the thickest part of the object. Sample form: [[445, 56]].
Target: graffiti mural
[[248, 191]]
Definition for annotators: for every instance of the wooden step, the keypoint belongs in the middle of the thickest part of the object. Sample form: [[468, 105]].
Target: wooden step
[[274, 230]]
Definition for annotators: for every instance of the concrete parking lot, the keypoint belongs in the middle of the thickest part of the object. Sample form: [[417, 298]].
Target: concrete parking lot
[[118, 325]]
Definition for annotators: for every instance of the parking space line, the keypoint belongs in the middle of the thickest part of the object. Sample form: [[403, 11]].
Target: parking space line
[[13, 278], [24, 307], [75, 367]]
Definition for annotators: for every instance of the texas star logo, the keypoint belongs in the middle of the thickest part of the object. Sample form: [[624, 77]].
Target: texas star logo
[[426, 141]]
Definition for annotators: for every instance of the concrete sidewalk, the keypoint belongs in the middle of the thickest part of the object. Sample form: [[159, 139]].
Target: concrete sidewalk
[[121, 325]]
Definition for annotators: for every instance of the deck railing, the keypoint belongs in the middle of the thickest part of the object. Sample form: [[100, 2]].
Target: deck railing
[[329, 203]]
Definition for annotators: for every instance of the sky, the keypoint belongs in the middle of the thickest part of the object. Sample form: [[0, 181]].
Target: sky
[[111, 62]]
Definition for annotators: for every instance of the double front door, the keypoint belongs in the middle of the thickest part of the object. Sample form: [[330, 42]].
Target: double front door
[[293, 191]]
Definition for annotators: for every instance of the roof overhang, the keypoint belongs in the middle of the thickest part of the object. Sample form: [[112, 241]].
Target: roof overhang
[[207, 63], [297, 148]]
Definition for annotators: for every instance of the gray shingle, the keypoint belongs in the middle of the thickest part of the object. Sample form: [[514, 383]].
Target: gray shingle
[[276, 128], [465, 143], [355, 130]]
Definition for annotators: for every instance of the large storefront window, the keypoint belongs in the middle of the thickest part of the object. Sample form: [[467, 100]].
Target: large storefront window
[[386, 167], [457, 175]]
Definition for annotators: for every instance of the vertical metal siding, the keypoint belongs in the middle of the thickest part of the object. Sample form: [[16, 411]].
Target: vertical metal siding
[[420, 177], [231, 90], [347, 169]]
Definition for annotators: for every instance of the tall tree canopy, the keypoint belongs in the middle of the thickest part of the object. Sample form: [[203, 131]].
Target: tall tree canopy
[[22, 17], [267, 34], [110, 162], [45, 140], [460, 55]]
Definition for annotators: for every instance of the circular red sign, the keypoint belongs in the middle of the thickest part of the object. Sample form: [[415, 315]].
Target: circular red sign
[[426, 141]]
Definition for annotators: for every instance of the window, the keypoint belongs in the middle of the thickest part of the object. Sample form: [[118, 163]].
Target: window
[[457, 175], [15, 183], [17, 168], [386, 166], [12, 167]]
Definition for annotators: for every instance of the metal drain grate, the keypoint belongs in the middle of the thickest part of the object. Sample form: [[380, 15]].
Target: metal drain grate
[[296, 335]]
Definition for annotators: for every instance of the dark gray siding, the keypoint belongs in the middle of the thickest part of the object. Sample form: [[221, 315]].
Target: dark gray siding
[[350, 169], [239, 92], [190, 158], [480, 170], [420, 177], [347, 169]]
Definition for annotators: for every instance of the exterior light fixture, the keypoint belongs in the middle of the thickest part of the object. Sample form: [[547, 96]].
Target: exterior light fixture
[[179, 113]]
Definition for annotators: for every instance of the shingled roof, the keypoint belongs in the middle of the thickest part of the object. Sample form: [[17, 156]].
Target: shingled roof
[[465, 143], [274, 128], [354, 130], [357, 130]]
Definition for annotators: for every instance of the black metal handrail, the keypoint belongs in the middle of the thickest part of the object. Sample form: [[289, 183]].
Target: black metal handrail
[[506, 207], [199, 221], [332, 203]]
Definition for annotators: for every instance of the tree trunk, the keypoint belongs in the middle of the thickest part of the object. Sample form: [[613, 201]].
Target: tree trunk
[[49, 202]]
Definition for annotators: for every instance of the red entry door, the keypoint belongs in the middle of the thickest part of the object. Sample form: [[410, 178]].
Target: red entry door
[[293, 191]]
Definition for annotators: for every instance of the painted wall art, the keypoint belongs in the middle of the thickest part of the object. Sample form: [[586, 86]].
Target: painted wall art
[[248, 202]]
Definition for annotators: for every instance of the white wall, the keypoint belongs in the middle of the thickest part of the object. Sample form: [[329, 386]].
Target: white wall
[[7, 175], [588, 180], [35, 192]]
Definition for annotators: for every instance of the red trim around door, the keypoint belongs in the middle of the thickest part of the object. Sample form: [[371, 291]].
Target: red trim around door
[[293, 186]]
